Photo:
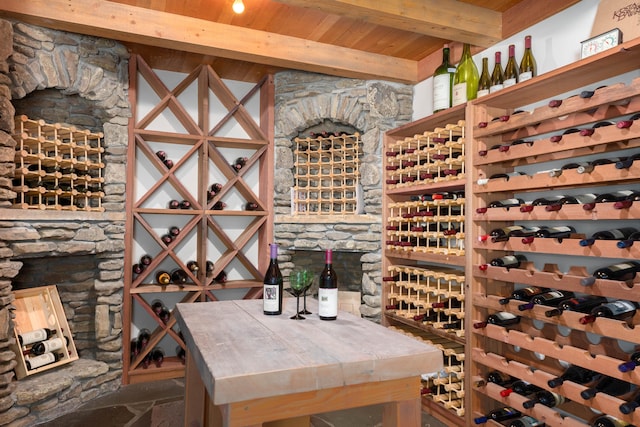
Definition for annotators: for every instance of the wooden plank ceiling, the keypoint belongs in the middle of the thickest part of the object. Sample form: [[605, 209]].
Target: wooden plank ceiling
[[394, 40]]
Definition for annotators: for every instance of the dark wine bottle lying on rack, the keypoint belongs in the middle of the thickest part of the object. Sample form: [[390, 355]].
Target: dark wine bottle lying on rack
[[580, 199], [522, 388], [613, 234], [239, 163], [509, 261], [526, 421], [550, 299], [524, 294], [501, 414], [582, 304], [626, 203], [630, 365], [625, 124], [590, 131], [544, 397], [576, 374], [608, 421], [618, 310], [179, 277], [630, 405], [627, 162], [501, 318], [610, 386], [558, 138], [623, 271]]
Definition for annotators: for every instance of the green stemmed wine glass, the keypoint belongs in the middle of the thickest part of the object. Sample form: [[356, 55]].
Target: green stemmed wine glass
[[299, 282]]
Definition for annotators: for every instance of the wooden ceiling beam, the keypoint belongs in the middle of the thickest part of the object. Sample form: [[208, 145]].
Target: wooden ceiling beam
[[145, 26], [445, 19]]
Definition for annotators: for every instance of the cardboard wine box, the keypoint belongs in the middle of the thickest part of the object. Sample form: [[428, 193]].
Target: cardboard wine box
[[621, 14], [37, 308]]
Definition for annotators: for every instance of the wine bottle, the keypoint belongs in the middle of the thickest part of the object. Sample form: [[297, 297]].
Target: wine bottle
[[520, 387], [181, 354], [485, 80], [272, 288], [215, 188], [166, 239], [585, 94], [502, 234], [633, 196], [528, 67], [465, 79], [506, 203], [179, 276], [583, 304], [550, 299], [501, 318], [49, 346], [559, 232], [497, 75], [610, 386], [137, 268], [526, 421], [524, 294], [588, 167], [501, 414], [574, 373], [627, 161], [193, 267], [590, 131], [209, 267], [168, 163], [625, 124], [511, 72], [443, 83], [156, 306], [185, 204], [161, 155], [42, 360], [631, 404], [157, 356], [35, 335], [508, 261], [621, 271], [500, 378], [618, 310], [174, 204], [579, 199], [546, 398], [608, 421], [251, 206], [163, 278], [239, 163], [174, 231], [219, 205], [613, 234], [630, 365], [144, 335], [328, 290], [221, 277]]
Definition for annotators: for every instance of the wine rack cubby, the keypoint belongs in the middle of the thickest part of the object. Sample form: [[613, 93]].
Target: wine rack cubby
[[424, 249], [58, 167], [199, 193], [327, 175], [519, 152]]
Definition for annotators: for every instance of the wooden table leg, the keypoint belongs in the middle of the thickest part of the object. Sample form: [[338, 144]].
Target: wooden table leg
[[195, 395], [405, 413]]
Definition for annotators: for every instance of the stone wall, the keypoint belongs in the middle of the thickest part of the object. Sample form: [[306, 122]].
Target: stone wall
[[303, 101], [81, 81]]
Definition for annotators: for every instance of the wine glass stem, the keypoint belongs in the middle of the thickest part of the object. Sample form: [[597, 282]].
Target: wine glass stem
[[298, 305]]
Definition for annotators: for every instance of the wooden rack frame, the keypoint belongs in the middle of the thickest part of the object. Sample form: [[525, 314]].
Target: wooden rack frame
[[58, 167]]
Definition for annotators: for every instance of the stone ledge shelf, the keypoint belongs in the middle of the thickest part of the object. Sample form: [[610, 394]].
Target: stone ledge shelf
[[326, 219], [50, 215]]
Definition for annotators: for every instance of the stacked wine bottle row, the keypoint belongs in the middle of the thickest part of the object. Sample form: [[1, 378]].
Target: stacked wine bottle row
[[431, 223], [57, 167], [434, 299], [554, 293], [434, 156], [327, 174]]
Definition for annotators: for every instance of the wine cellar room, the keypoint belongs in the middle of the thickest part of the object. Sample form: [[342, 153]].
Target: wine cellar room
[[433, 220]]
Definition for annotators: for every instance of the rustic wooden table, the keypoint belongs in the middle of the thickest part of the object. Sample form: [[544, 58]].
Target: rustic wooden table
[[246, 369]]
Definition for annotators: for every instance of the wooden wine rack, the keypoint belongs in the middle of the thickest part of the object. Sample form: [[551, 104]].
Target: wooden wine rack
[[57, 167], [327, 175], [532, 350], [425, 157]]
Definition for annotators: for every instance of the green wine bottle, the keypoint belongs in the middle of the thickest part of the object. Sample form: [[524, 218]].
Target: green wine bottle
[[528, 62], [443, 82], [465, 79], [497, 76], [511, 74], [485, 81]]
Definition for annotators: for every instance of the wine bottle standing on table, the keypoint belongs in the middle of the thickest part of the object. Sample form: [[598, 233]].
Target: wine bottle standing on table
[[328, 290], [443, 82], [511, 74], [528, 68], [465, 79], [272, 288]]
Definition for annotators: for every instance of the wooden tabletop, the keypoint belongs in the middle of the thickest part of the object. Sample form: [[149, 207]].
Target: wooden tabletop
[[242, 354]]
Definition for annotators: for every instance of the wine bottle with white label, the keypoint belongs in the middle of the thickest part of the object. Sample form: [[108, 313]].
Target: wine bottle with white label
[[273, 288], [328, 290], [528, 68]]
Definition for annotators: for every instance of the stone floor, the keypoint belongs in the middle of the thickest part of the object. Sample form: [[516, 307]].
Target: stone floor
[[160, 404]]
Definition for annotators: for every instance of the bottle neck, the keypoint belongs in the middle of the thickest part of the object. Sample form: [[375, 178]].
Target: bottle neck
[[466, 51], [527, 42], [328, 257], [445, 56], [512, 51], [274, 251]]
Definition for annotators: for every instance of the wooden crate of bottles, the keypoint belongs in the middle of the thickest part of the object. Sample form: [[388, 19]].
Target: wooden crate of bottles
[[58, 167], [553, 268], [327, 175], [43, 339]]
